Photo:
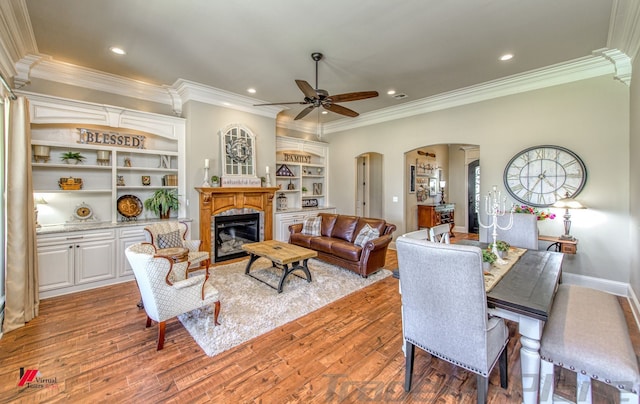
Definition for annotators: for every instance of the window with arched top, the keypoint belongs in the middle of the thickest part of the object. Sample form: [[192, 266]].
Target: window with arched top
[[238, 147]]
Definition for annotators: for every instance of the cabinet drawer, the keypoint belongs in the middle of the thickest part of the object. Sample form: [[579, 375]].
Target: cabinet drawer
[[132, 232], [74, 237]]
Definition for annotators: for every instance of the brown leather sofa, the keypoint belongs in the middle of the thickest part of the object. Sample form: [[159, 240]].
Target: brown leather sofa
[[335, 244]]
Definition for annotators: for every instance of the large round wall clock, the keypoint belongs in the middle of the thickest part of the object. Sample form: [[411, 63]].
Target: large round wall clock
[[540, 175]]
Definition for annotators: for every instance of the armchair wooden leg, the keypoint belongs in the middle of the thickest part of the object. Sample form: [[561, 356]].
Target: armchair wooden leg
[[409, 349], [216, 311], [148, 321], [161, 328]]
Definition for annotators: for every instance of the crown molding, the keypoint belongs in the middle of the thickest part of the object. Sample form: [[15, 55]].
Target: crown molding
[[16, 35], [44, 67], [577, 69], [624, 27], [621, 63], [602, 62], [192, 91], [300, 126]]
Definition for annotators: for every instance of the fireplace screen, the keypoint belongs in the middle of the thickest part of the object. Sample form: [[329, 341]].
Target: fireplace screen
[[231, 232]]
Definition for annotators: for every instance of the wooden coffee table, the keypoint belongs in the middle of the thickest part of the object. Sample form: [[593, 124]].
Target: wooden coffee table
[[281, 255]]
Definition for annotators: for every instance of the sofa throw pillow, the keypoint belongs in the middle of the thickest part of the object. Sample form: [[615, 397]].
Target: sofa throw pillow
[[311, 226], [170, 240], [366, 234]]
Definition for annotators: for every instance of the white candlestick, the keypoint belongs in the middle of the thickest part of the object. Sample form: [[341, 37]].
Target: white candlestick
[[267, 169], [206, 163]]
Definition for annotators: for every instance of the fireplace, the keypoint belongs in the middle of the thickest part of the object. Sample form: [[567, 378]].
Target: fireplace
[[230, 232], [227, 201]]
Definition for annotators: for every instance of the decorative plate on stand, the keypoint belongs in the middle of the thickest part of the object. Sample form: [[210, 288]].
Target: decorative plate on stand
[[129, 206]]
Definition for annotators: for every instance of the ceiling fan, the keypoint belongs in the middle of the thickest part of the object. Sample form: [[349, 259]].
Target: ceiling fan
[[321, 98]]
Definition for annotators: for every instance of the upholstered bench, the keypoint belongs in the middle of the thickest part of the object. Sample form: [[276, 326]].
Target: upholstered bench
[[587, 333]]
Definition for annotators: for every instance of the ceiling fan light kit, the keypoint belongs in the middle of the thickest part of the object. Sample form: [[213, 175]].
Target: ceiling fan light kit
[[316, 97]]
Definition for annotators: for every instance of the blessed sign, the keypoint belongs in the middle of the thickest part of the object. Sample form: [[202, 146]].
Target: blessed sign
[[297, 158], [88, 136]]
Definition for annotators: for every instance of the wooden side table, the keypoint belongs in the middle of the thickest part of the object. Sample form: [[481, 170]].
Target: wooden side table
[[561, 245]]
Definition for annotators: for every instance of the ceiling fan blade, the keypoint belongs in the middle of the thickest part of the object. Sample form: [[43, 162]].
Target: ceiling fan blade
[[304, 112], [306, 89], [339, 109], [361, 95], [280, 103]]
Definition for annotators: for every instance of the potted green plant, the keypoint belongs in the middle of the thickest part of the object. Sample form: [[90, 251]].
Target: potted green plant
[[304, 190], [72, 157], [162, 201], [215, 181], [488, 258], [502, 247]]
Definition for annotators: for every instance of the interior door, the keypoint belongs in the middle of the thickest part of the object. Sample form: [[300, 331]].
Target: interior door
[[473, 195], [362, 190]]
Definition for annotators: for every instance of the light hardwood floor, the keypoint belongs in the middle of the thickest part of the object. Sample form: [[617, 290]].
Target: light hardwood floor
[[96, 347]]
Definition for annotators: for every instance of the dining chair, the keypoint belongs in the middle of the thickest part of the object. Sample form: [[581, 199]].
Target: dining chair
[[171, 234], [523, 232], [444, 310], [440, 233], [165, 289]]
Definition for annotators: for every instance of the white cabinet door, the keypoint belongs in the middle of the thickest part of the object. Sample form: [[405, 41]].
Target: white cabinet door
[[55, 266], [95, 261], [283, 221], [124, 269]]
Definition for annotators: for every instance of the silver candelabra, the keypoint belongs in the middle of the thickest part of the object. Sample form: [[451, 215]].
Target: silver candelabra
[[495, 206]]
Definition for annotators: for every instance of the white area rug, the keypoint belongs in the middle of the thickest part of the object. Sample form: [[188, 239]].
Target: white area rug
[[251, 308]]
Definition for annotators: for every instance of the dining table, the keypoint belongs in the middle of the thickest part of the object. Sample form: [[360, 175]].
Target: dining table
[[525, 295]]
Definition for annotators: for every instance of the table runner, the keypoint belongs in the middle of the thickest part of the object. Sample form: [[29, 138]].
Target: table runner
[[497, 271]]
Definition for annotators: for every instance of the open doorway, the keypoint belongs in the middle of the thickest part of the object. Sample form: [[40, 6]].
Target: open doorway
[[446, 168], [369, 196]]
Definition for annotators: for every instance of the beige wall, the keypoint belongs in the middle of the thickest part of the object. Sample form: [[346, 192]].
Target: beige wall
[[204, 122], [590, 117]]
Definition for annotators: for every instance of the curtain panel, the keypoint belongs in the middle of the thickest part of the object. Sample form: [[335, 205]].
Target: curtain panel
[[21, 266]]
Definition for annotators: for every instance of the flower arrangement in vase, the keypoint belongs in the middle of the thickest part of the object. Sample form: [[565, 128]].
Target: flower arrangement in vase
[[541, 214]]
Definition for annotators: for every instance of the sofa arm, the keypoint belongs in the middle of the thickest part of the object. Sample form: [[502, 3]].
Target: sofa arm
[[389, 228], [377, 243], [295, 228]]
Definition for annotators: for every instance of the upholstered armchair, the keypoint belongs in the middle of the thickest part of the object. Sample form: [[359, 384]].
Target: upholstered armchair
[[444, 310], [165, 289], [172, 234], [523, 233]]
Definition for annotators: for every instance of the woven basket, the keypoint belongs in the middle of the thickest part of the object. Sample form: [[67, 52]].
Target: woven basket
[[70, 183]]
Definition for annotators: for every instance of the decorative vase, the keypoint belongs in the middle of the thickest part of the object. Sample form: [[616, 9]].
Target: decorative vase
[[165, 216], [41, 153], [486, 265]]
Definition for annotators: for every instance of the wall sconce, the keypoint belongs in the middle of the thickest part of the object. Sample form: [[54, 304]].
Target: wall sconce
[[567, 203], [442, 185]]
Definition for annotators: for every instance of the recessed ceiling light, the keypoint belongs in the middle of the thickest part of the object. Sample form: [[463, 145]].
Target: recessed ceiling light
[[391, 92], [507, 56], [324, 112], [117, 51], [251, 90]]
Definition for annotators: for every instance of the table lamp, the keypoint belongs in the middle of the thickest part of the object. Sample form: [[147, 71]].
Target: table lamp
[[567, 203], [442, 184]]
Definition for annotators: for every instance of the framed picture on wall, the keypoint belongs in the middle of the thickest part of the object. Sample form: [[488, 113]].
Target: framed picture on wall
[[412, 179], [433, 186]]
